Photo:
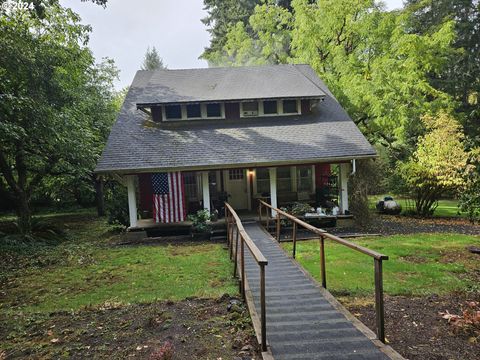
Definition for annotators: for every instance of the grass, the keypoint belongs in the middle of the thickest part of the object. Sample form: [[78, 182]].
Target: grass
[[86, 270], [446, 207], [420, 264], [51, 213]]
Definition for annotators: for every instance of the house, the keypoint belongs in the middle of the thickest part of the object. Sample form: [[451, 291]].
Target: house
[[238, 133]]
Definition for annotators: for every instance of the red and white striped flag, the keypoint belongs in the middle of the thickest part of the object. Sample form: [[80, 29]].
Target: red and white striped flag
[[168, 197]]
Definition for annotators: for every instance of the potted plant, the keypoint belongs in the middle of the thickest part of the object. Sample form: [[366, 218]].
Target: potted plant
[[201, 227]]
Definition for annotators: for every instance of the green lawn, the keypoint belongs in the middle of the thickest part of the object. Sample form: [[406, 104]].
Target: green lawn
[[419, 264], [446, 208], [86, 270]]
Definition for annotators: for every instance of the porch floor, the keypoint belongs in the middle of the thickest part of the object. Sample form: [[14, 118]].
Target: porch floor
[[145, 224]]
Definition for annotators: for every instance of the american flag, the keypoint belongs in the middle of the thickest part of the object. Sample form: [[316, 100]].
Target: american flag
[[168, 197]]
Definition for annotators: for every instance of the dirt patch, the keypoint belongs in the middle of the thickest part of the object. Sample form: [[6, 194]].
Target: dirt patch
[[455, 256], [414, 259], [194, 328], [415, 329]]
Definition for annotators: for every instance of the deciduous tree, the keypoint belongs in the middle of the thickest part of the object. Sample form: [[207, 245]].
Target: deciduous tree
[[440, 163], [377, 69], [56, 104]]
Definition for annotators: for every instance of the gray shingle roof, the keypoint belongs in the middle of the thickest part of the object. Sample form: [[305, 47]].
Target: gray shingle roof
[[233, 83], [136, 144]]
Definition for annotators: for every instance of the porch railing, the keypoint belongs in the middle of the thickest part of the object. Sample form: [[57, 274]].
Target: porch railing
[[377, 257], [242, 238]]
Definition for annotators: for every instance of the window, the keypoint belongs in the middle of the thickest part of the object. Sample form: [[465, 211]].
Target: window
[[250, 108], [190, 183], [263, 181], [214, 110], [290, 107], [304, 178], [270, 107], [173, 111], [235, 174], [194, 111], [284, 179]]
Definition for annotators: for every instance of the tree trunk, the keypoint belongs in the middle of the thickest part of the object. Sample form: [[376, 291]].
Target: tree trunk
[[425, 201], [99, 197], [24, 214]]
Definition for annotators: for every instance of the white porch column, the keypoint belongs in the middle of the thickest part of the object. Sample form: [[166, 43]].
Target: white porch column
[[344, 172], [132, 200], [273, 188], [205, 190]]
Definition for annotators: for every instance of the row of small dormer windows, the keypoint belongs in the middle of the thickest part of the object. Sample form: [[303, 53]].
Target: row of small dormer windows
[[217, 110], [194, 111]]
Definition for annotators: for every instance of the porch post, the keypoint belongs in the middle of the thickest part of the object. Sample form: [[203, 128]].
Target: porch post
[[205, 191], [344, 171], [273, 188], [132, 200]]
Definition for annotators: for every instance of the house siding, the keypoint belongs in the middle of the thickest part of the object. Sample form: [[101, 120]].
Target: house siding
[[156, 113], [232, 111], [305, 106]]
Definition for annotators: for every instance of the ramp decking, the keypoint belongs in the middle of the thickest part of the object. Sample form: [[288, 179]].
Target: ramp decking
[[302, 323]]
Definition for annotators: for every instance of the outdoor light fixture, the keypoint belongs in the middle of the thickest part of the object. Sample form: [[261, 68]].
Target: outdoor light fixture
[[250, 172]]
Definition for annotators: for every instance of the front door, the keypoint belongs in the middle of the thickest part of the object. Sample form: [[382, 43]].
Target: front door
[[236, 187]]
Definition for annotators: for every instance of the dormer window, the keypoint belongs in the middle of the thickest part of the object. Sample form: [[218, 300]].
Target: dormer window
[[214, 110], [270, 107], [290, 106], [194, 111], [173, 112]]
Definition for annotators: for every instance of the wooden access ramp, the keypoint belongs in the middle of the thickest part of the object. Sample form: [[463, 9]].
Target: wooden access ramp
[[294, 316]]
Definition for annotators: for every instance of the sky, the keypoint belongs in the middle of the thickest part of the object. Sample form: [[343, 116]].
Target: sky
[[125, 28]]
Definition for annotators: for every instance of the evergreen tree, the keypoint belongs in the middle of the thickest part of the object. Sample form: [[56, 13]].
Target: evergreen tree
[[223, 14], [152, 60], [461, 76]]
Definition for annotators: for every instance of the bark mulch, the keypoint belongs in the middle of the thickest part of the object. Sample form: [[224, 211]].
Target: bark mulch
[[189, 329], [415, 328], [394, 225]]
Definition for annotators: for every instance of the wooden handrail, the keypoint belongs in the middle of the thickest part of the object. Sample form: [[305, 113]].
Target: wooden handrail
[[257, 254], [325, 234], [378, 257], [232, 219]]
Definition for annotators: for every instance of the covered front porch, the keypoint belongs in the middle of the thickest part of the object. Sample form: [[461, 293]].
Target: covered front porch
[[319, 185]]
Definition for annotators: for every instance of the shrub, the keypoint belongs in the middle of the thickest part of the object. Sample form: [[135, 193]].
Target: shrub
[[42, 232], [200, 221], [470, 198], [299, 209], [116, 204], [361, 186]]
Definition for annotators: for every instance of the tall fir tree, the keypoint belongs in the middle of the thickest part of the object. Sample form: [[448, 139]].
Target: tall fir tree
[[152, 61]]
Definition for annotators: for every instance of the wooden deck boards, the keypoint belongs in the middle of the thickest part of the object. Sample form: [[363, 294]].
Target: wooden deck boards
[[302, 323]]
